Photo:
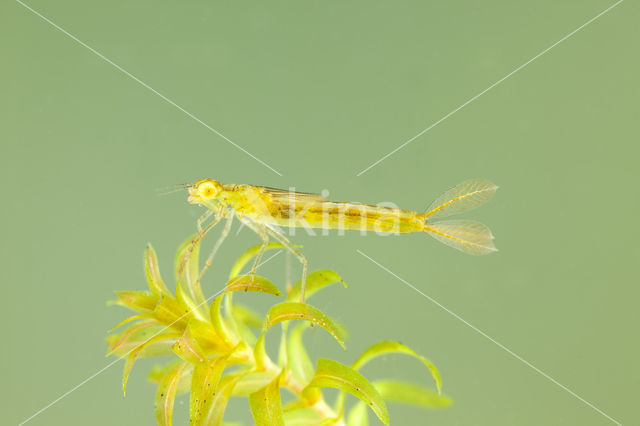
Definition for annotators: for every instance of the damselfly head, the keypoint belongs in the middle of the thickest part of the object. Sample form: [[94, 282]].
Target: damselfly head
[[203, 190]]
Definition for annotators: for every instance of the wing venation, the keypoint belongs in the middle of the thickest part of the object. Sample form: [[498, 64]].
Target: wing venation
[[284, 195], [465, 235], [463, 197]]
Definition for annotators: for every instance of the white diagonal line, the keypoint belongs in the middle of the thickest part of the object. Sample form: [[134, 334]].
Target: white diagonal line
[[106, 367], [133, 77], [431, 126], [500, 345]]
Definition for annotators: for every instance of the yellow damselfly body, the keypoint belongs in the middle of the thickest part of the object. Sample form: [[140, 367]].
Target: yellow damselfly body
[[264, 210]]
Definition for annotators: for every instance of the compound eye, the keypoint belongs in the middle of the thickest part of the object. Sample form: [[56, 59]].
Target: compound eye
[[207, 190]]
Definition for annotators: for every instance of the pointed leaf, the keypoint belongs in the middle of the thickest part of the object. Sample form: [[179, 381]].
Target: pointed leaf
[[386, 347], [228, 315], [246, 257], [260, 354], [315, 281], [239, 283], [289, 311], [133, 356], [161, 348], [188, 349], [299, 362], [158, 372], [251, 383], [122, 345], [205, 335], [231, 329], [203, 387], [249, 283], [303, 311], [128, 320], [213, 416], [152, 272], [169, 312], [335, 375], [227, 336], [136, 330], [266, 405], [140, 301], [188, 305], [166, 394], [409, 393], [189, 279]]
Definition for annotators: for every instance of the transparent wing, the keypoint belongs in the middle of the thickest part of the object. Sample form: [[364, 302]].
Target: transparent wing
[[465, 235], [284, 195], [466, 196]]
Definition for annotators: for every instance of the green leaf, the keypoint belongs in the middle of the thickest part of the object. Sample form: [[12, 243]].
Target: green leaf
[[215, 413], [358, 415], [166, 394], [158, 372], [189, 305], [266, 405], [251, 383], [315, 281], [203, 387], [169, 312], [260, 354], [130, 319], [134, 354], [289, 311], [299, 362], [303, 311], [409, 393], [121, 345], [134, 330], [230, 319], [246, 257], [249, 283], [188, 349], [140, 301], [239, 283], [335, 375], [235, 272], [206, 337], [152, 272], [386, 347], [189, 280]]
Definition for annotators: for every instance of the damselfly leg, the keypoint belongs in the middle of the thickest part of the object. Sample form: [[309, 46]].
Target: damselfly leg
[[223, 235], [297, 253]]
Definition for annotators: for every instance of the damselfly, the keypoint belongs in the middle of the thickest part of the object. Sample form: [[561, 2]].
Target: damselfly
[[264, 210]]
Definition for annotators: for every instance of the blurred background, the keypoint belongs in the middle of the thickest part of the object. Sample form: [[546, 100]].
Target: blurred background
[[319, 92]]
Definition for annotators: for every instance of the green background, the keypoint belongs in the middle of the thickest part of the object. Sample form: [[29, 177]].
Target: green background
[[319, 91]]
